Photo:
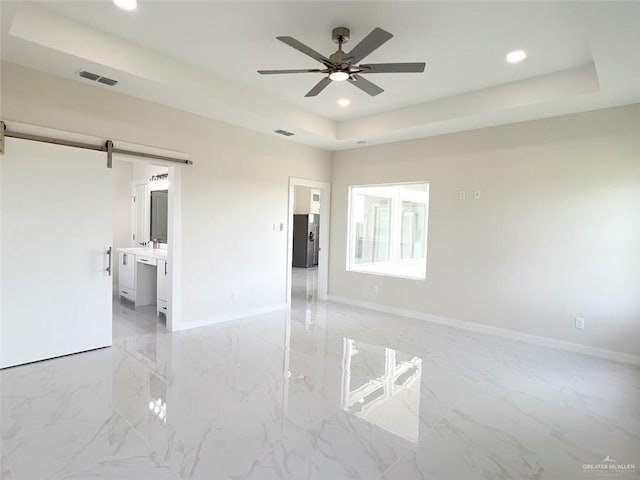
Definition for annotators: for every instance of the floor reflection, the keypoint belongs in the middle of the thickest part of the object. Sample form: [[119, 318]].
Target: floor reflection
[[158, 402], [304, 296], [382, 386]]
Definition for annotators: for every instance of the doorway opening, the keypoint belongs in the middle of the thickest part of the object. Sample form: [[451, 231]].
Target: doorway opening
[[307, 264], [141, 243]]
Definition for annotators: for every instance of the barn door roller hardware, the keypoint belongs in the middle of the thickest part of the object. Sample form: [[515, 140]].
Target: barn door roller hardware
[[107, 147]]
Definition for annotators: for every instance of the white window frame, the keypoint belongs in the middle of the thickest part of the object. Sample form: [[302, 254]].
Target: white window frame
[[377, 268]]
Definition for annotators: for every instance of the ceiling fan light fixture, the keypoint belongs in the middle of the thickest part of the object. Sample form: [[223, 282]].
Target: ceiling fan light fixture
[[128, 5], [344, 102], [339, 76], [516, 56]]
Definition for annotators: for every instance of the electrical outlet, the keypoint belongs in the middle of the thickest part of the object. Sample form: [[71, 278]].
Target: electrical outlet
[[376, 290], [234, 295], [580, 323], [462, 195], [476, 194]]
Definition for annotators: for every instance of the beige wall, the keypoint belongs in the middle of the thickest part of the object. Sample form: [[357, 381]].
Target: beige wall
[[555, 234], [232, 195]]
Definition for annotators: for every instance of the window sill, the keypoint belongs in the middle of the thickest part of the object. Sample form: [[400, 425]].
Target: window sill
[[408, 272]]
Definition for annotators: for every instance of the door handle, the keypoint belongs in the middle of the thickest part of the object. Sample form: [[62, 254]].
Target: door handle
[[165, 269], [109, 264]]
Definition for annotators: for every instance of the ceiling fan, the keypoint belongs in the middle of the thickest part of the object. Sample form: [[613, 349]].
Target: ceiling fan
[[342, 66]]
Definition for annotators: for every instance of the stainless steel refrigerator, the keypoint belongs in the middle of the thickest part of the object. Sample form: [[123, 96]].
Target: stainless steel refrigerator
[[305, 240]]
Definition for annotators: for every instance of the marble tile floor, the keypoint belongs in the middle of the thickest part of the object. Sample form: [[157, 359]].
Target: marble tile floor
[[324, 391]]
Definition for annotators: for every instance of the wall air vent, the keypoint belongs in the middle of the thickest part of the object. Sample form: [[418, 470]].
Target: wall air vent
[[95, 77], [283, 132]]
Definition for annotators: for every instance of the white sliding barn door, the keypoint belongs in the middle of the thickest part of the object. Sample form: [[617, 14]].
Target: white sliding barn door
[[56, 219]]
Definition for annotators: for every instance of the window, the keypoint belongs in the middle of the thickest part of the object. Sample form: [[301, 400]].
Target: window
[[388, 229]]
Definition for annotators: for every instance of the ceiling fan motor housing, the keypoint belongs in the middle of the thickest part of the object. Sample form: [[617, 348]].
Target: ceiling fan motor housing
[[338, 59]]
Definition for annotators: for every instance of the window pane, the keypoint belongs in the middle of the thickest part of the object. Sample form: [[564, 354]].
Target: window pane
[[372, 229], [412, 235], [388, 229]]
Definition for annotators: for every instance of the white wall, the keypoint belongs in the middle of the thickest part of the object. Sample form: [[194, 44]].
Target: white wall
[[555, 234], [314, 205], [234, 192], [143, 171], [122, 177], [302, 200]]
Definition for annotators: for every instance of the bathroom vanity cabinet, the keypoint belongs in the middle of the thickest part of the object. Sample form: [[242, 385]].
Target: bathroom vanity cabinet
[[143, 277]]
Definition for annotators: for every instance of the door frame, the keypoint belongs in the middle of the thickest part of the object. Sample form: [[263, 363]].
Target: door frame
[[135, 242], [174, 250], [174, 233], [323, 254]]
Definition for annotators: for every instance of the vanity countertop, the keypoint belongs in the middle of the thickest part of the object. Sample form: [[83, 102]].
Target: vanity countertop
[[159, 253]]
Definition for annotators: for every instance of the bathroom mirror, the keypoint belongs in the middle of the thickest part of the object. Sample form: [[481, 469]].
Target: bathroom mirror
[[159, 215]]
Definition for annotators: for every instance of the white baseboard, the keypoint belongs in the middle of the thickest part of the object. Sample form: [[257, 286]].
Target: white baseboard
[[496, 331], [230, 316]]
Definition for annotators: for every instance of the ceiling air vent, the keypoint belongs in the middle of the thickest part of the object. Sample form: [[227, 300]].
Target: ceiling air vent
[[89, 75], [283, 132], [107, 81], [95, 77]]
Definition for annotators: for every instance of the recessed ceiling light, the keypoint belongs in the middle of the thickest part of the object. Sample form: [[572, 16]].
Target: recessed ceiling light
[[344, 102], [126, 4], [338, 76], [516, 56]]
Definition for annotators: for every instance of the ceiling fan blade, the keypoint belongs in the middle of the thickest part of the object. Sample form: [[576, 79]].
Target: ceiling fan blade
[[368, 44], [393, 67], [275, 72], [301, 47], [365, 85], [321, 85]]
